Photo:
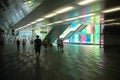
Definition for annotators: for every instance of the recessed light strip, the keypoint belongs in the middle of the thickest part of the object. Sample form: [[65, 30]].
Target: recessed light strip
[[50, 15], [111, 10], [59, 11], [86, 15], [64, 9], [110, 20], [85, 2], [41, 19]]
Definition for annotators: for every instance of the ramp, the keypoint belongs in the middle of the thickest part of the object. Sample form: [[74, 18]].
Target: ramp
[[80, 28], [70, 31]]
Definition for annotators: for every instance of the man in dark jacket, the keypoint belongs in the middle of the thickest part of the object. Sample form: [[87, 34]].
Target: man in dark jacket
[[37, 45]]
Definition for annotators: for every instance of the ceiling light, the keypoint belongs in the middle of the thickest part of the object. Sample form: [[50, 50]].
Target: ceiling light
[[32, 22], [111, 10], [110, 20], [50, 15], [70, 19], [17, 29], [50, 24], [85, 2], [28, 24], [112, 24], [87, 15], [64, 9], [41, 19]]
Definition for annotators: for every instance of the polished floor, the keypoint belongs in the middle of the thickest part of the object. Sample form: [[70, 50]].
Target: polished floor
[[76, 62]]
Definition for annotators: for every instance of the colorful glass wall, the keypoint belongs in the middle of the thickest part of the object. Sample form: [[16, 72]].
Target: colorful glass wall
[[91, 34]]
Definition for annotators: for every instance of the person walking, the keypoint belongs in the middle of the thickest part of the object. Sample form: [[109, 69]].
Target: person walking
[[24, 43], [18, 44], [37, 45], [60, 44]]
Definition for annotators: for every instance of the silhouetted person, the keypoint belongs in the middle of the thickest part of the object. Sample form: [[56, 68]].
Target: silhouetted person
[[37, 45], [18, 44], [24, 43], [60, 44]]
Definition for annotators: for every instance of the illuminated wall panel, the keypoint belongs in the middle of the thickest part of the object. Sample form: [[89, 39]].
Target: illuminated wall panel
[[77, 38], [97, 38], [97, 28], [92, 29], [88, 18], [91, 38], [72, 39], [88, 36], [74, 24], [83, 31], [97, 17], [83, 38], [84, 19], [88, 29], [93, 19]]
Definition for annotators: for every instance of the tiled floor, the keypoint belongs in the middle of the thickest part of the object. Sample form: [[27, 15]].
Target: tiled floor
[[77, 62]]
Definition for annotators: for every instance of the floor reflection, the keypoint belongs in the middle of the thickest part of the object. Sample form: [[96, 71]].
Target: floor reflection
[[112, 69], [38, 75], [78, 62]]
